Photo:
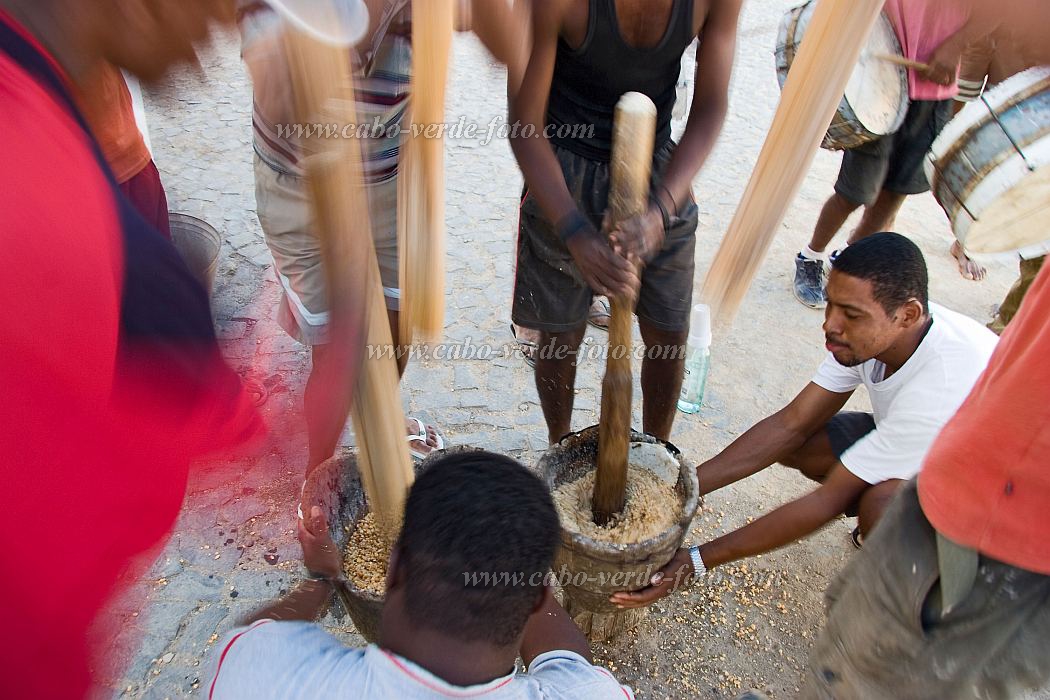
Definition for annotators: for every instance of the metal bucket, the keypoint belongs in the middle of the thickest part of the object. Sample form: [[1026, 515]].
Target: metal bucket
[[198, 242], [571, 458], [335, 486]]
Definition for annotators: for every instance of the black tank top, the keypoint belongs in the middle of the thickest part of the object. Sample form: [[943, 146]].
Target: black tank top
[[589, 81]]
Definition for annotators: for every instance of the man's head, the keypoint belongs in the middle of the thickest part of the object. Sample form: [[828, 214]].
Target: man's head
[[145, 37], [477, 541], [877, 295]]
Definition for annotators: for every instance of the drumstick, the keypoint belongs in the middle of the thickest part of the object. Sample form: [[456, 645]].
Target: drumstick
[[812, 92], [421, 181], [902, 61], [634, 132], [323, 86]]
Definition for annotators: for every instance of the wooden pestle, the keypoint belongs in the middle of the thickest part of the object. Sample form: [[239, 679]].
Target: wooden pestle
[[823, 65], [323, 86], [634, 134], [421, 177]]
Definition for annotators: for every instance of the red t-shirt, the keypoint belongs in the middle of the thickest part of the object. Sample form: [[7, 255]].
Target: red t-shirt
[[106, 103], [922, 26], [986, 481], [110, 382]]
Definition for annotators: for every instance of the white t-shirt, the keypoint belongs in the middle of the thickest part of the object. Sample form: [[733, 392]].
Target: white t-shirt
[[912, 405], [300, 661]]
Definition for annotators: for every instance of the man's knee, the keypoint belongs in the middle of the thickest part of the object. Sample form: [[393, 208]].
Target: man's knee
[[873, 503], [561, 346], [662, 345], [815, 458]]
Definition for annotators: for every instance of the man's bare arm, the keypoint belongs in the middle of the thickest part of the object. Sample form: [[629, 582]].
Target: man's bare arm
[[604, 271], [943, 66], [772, 439], [782, 526], [643, 235], [504, 30], [529, 107], [714, 67], [789, 522]]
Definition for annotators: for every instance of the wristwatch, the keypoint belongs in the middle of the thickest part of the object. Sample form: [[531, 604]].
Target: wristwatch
[[699, 569], [314, 576]]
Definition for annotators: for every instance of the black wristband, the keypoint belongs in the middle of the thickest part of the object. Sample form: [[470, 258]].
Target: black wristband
[[572, 225], [663, 212]]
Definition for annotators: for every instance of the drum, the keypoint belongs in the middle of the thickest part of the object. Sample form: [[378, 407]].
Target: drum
[[990, 168], [876, 99]]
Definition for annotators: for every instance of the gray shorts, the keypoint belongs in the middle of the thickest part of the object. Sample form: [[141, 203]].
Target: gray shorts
[[549, 292], [894, 162], [886, 638]]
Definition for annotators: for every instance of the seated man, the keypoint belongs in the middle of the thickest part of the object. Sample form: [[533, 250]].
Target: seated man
[[448, 630], [918, 362]]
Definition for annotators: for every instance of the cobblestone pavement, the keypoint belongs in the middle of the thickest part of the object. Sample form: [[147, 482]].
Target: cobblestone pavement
[[234, 549]]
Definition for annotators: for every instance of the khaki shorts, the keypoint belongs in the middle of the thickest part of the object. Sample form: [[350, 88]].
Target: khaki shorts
[[886, 637], [283, 206]]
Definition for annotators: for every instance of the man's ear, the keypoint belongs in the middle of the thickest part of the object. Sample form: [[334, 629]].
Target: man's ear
[[544, 598], [395, 577], [910, 313]]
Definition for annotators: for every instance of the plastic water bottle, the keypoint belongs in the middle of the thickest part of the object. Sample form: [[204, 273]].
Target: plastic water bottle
[[697, 360]]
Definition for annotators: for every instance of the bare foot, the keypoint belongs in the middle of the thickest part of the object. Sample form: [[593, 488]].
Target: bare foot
[[968, 268]]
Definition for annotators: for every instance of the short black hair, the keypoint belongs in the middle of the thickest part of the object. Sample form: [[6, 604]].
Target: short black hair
[[478, 540], [894, 266]]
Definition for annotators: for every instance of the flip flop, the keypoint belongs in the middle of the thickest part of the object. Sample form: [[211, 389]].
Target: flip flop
[[599, 314], [527, 348], [421, 437]]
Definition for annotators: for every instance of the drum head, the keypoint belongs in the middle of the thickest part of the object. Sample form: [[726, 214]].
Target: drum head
[[876, 99], [990, 168], [878, 89], [1017, 220]]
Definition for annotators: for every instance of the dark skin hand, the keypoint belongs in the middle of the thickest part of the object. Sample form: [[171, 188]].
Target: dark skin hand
[[772, 531], [602, 267], [321, 557]]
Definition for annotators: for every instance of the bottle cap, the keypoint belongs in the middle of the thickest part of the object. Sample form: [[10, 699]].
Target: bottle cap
[[336, 22], [700, 326]]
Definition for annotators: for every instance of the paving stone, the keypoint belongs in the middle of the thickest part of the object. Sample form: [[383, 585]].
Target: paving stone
[[191, 586], [466, 378], [200, 625], [166, 567]]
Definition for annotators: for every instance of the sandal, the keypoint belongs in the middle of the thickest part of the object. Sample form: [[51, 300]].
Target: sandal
[[857, 538], [600, 314], [527, 348], [421, 437]]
